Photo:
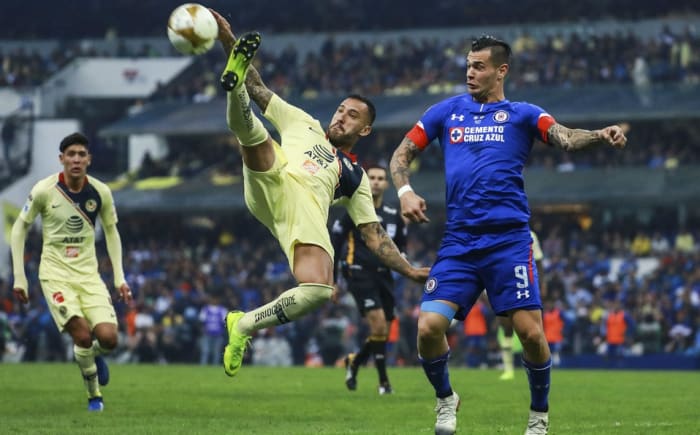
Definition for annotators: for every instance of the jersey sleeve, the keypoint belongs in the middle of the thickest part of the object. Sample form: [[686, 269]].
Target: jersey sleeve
[[34, 204], [108, 212], [540, 121], [360, 206], [429, 126], [282, 115]]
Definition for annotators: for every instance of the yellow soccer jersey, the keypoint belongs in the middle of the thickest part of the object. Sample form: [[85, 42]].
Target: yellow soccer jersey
[[68, 226], [329, 174]]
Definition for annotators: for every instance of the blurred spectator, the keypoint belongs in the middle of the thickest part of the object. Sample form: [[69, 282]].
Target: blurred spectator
[[649, 333], [641, 244], [212, 341], [680, 334], [554, 323], [659, 244], [475, 333], [331, 337], [617, 327], [685, 242], [269, 349]]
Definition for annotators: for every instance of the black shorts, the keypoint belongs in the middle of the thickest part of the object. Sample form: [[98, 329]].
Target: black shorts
[[373, 290]]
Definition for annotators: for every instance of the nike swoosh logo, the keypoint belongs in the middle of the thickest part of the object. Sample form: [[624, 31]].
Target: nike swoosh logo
[[55, 205], [311, 128]]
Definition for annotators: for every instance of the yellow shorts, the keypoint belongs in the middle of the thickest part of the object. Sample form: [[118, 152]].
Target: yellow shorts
[[286, 207], [89, 300]]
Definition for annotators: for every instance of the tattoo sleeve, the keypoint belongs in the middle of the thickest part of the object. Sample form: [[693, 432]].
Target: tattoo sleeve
[[256, 88], [400, 164], [571, 139], [379, 242]]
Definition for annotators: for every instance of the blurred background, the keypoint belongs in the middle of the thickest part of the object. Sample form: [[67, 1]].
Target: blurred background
[[619, 229]]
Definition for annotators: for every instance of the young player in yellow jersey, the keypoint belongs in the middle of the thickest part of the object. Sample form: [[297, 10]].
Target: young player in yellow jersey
[[69, 204], [289, 188]]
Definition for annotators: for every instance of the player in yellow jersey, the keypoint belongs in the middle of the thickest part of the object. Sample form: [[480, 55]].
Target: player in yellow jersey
[[289, 188], [69, 204]]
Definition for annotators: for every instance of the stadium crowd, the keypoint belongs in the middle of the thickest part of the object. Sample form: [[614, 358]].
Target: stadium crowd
[[406, 65], [657, 146], [186, 271], [136, 17]]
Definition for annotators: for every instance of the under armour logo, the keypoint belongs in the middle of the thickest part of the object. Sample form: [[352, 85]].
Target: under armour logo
[[523, 294], [459, 117]]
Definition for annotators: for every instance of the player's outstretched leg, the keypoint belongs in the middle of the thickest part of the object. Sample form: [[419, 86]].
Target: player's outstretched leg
[[287, 307], [237, 343], [241, 56]]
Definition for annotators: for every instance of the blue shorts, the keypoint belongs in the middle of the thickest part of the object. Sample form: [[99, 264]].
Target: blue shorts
[[506, 271]]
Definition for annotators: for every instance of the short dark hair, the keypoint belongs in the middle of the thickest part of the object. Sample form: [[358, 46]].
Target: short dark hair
[[500, 50], [370, 106], [73, 139], [377, 166]]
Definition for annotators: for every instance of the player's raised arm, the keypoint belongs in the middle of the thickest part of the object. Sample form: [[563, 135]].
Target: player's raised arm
[[573, 139], [379, 242], [412, 205]]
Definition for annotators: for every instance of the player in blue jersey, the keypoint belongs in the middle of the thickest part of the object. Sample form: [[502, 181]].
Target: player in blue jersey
[[290, 188], [486, 141]]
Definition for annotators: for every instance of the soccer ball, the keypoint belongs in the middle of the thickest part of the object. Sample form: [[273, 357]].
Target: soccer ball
[[192, 29]]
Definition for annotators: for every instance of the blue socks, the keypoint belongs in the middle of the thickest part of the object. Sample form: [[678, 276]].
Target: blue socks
[[438, 375], [538, 376]]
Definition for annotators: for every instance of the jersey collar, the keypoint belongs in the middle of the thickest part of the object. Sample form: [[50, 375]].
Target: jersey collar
[[62, 180], [352, 156], [476, 107]]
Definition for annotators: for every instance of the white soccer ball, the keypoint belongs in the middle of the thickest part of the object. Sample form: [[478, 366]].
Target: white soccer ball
[[192, 29]]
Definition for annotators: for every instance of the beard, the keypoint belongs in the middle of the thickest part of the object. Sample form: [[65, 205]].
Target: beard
[[338, 140]]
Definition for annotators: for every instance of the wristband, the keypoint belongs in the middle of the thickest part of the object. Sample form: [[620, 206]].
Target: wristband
[[403, 189]]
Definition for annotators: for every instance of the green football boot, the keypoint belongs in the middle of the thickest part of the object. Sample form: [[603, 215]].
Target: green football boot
[[237, 343], [241, 56]]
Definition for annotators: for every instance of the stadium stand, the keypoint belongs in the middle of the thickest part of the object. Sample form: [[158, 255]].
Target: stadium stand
[[614, 226]]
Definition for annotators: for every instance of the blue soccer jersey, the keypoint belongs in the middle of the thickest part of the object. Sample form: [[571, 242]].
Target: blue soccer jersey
[[487, 242], [485, 147]]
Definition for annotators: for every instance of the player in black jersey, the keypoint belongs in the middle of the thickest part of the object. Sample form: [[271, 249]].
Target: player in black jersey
[[368, 280]]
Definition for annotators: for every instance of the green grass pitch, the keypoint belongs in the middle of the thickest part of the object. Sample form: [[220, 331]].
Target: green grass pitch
[[178, 399]]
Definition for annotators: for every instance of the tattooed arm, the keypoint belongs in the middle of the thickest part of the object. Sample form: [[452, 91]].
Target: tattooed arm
[[379, 242], [412, 206], [401, 162], [257, 89], [573, 139]]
